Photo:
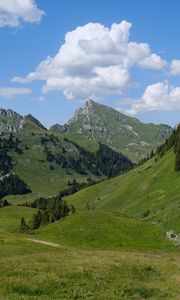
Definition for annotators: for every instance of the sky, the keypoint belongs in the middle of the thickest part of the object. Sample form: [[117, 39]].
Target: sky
[[54, 55]]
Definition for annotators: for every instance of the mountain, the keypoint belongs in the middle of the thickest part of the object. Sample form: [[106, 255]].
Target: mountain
[[106, 125], [126, 225], [12, 122], [149, 192], [96, 123], [47, 162]]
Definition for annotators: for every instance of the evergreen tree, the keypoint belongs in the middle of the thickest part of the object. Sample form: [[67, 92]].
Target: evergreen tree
[[36, 220], [177, 161], [5, 203], [151, 154], [23, 225]]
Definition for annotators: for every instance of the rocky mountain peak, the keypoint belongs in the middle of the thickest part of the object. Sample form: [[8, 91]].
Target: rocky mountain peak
[[86, 111], [9, 113], [10, 121], [89, 103]]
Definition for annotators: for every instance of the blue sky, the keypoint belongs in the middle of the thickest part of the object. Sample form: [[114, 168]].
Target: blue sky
[[133, 65]]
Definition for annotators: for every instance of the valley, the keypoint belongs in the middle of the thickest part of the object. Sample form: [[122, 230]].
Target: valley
[[89, 150], [110, 242]]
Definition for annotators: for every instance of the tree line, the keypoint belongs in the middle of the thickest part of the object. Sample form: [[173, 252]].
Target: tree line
[[11, 184], [49, 210], [172, 142], [8, 143], [105, 161]]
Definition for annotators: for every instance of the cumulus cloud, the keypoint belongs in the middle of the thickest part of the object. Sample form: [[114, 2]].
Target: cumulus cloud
[[175, 67], [94, 61], [157, 97], [13, 12], [10, 93], [152, 62]]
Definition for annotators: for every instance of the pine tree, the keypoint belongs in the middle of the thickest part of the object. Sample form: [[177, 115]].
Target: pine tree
[[177, 162], [151, 154], [23, 225], [36, 220]]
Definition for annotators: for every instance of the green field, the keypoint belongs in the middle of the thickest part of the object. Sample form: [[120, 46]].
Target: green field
[[100, 256], [105, 230], [113, 247]]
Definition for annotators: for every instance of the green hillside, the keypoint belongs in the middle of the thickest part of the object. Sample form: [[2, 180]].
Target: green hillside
[[85, 265], [105, 230], [151, 191], [106, 125], [112, 245], [47, 162]]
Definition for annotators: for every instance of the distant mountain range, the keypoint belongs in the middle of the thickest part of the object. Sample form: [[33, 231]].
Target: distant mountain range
[[46, 162], [99, 124]]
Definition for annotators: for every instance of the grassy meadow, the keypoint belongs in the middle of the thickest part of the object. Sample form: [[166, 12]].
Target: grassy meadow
[[150, 191], [100, 256], [113, 247]]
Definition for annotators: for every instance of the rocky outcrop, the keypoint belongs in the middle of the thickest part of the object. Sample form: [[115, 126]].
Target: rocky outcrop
[[59, 128], [10, 121], [86, 112], [174, 237]]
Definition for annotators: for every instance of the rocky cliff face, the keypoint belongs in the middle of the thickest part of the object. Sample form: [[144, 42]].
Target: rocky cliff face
[[10, 121], [87, 112]]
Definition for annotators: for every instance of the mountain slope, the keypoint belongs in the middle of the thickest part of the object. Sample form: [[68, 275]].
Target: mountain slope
[[150, 191], [48, 162], [104, 230], [12, 122], [108, 126], [31, 270]]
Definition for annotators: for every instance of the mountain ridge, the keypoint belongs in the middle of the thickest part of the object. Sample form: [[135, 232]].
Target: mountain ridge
[[13, 122], [106, 125], [100, 124]]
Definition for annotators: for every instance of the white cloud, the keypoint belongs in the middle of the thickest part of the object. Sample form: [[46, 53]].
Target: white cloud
[[157, 97], [10, 93], [94, 61], [175, 67], [152, 62], [13, 12]]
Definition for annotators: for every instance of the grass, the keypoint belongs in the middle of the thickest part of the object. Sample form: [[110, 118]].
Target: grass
[[76, 274], [10, 218], [152, 187], [143, 266], [103, 253], [105, 230], [35, 170]]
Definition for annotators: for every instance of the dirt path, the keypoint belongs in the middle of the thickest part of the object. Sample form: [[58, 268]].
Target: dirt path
[[43, 242]]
